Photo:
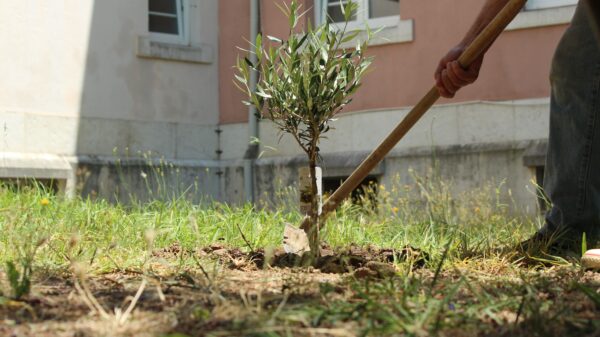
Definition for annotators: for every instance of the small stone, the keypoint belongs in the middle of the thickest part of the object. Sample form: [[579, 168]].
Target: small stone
[[364, 272], [220, 252], [382, 269], [591, 259], [325, 251], [215, 246]]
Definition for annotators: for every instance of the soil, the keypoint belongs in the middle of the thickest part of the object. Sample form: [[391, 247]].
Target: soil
[[174, 301], [228, 288], [55, 308], [362, 261]]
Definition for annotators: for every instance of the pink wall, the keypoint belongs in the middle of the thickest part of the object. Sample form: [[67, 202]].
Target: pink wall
[[234, 26], [234, 18], [515, 68]]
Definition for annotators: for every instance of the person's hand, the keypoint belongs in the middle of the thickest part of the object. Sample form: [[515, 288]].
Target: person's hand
[[450, 76]]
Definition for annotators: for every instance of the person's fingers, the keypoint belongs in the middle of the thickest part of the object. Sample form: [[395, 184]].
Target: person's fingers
[[438, 71], [448, 85], [444, 93], [460, 75], [450, 76], [441, 86], [449, 94], [457, 76], [441, 89]]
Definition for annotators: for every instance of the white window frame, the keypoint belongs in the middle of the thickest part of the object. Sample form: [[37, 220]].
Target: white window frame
[[543, 13], [362, 17], [541, 4], [183, 21]]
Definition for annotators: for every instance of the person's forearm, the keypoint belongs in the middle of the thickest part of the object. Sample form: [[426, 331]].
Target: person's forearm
[[489, 11]]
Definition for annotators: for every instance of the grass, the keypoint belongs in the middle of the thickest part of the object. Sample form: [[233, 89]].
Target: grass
[[152, 252]]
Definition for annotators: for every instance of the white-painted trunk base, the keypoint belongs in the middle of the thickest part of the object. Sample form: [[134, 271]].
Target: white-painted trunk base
[[304, 189]]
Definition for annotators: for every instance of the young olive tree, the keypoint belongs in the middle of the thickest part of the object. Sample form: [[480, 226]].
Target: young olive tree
[[304, 82]]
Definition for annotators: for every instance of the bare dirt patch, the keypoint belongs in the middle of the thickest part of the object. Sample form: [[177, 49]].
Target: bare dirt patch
[[192, 300], [230, 292], [362, 261]]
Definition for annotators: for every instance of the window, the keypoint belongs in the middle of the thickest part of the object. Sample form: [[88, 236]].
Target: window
[[383, 15], [167, 21], [377, 13], [542, 13], [169, 35], [365, 191], [539, 4]]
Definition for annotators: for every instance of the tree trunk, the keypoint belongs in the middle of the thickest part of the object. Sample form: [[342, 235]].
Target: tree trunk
[[312, 232]]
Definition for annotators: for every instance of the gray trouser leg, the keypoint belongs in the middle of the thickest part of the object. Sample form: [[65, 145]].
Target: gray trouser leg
[[572, 179]]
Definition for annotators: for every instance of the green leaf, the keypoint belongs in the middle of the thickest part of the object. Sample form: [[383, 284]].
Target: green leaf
[[272, 55], [248, 62], [350, 36], [324, 55], [274, 39], [595, 297], [283, 10], [13, 275], [240, 78], [292, 15], [349, 9], [256, 101], [302, 40], [258, 46], [262, 94], [19, 283], [343, 9]]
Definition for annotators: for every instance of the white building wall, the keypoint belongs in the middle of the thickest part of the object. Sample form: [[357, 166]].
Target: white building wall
[[73, 82], [472, 123], [81, 78]]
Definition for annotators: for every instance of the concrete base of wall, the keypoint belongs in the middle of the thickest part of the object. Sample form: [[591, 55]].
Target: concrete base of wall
[[19, 166], [464, 168], [145, 180], [115, 179]]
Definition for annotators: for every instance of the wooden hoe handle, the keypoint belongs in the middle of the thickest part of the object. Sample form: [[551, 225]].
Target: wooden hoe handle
[[477, 47]]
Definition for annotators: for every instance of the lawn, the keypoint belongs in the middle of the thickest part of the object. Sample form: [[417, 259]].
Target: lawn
[[412, 261]]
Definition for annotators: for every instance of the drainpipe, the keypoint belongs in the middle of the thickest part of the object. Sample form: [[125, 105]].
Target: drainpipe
[[253, 147], [317, 11]]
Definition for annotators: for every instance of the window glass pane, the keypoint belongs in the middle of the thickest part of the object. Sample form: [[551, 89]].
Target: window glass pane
[[382, 8], [334, 11], [163, 6], [163, 24]]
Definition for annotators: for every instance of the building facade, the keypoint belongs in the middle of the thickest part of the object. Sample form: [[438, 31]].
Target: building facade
[[493, 131], [100, 95]]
